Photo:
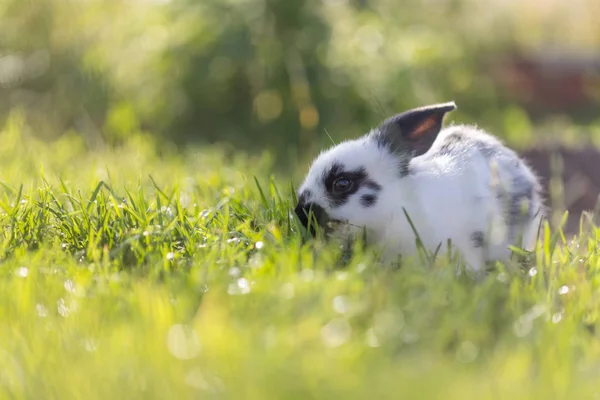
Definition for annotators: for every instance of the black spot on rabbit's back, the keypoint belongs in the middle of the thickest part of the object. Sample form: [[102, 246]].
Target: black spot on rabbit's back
[[464, 138], [478, 239], [452, 143], [520, 199]]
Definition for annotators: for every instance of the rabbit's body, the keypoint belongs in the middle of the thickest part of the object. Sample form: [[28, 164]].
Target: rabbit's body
[[457, 184], [454, 192]]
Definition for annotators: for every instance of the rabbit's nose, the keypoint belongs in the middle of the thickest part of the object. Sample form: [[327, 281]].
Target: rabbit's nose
[[319, 216]]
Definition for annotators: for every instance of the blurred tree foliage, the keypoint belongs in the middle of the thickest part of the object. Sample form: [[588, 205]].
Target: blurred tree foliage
[[278, 74]]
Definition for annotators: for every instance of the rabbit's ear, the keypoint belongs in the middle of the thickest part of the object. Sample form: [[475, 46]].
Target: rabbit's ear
[[414, 131]]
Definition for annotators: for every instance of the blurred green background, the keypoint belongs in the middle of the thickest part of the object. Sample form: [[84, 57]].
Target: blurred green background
[[283, 74]]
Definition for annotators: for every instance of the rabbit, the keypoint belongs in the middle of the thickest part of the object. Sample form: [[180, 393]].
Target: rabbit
[[410, 174]]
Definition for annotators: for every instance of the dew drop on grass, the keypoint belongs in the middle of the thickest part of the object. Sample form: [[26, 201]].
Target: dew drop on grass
[[204, 213], [557, 317], [340, 304], [336, 333], [532, 272], [62, 308], [240, 287], [234, 272], [170, 256], [22, 272], [244, 285], [167, 210], [41, 310], [69, 286], [259, 245], [182, 342], [204, 288], [563, 290], [287, 291], [524, 324]]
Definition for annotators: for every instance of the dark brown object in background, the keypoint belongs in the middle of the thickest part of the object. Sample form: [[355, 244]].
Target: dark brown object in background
[[580, 179], [551, 82]]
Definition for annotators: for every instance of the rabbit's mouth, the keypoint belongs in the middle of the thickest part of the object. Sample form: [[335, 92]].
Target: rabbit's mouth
[[335, 223], [311, 214], [342, 225], [345, 227]]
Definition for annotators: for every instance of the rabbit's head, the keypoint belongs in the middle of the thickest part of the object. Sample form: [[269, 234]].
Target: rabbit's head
[[356, 183]]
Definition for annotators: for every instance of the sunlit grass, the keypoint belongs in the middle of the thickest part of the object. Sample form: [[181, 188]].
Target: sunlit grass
[[131, 275]]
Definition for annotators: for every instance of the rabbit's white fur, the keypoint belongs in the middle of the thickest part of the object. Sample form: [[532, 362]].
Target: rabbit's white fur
[[467, 187]]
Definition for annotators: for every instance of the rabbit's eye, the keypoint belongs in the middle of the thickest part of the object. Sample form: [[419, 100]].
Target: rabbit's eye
[[342, 185]]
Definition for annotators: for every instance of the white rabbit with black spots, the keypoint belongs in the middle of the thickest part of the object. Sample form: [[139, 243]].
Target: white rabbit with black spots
[[458, 183]]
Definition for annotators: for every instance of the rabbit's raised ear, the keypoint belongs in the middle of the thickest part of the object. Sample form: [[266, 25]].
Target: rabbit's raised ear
[[413, 132]]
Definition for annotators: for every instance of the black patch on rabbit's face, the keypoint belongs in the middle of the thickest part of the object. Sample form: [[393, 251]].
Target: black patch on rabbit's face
[[368, 200], [478, 239], [358, 177], [319, 216], [304, 196], [371, 184]]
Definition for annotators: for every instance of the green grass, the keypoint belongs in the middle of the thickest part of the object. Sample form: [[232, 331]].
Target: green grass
[[126, 274]]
